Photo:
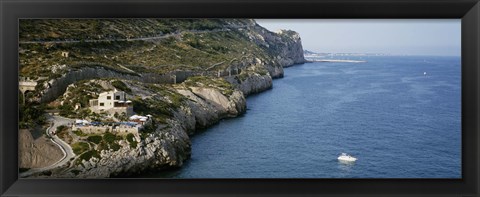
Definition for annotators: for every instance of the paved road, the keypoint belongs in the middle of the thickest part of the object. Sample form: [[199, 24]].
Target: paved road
[[64, 147]]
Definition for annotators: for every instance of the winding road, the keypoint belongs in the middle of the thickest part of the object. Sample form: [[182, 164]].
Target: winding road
[[131, 39], [64, 147], [57, 120]]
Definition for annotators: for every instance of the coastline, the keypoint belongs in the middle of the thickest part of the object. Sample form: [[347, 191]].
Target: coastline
[[168, 147], [249, 146], [249, 92], [205, 110], [195, 102], [336, 60]]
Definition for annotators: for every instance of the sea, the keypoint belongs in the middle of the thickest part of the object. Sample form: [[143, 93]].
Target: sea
[[398, 115]]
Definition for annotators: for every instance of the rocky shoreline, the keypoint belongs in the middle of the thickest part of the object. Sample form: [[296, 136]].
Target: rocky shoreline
[[170, 146], [201, 107]]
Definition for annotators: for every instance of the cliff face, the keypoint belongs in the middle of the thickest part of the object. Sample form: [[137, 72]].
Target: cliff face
[[252, 83], [236, 58], [36, 153], [286, 46], [292, 52], [53, 88], [169, 145]]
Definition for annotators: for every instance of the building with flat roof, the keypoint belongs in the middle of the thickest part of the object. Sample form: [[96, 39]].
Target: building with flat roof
[[112, 102]]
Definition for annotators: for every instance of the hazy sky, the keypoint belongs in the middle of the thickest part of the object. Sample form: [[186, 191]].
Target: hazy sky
[[401, 36]]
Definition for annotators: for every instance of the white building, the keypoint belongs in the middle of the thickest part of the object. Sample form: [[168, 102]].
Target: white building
[[112, 102], [64, 54], [142, 120]]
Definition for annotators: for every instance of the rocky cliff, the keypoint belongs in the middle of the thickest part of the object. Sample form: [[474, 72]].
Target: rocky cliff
[[53, 88], [223, 64], [169, 145], [218, 46]]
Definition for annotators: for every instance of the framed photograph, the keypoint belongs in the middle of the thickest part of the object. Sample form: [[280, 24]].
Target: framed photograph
[[240, 98]]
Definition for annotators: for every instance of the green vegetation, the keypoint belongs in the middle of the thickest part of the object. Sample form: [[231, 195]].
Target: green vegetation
[[260, 70], [96, 139], [131, 140], [30, 113], [191, 49], [115, 146], [121, 86], [219, 83], [188, 50], [109, 137], [160, 109], [121, 117], [102, 146], [23, 169], [85, 29], [84, 113], [147, 129], [62, 133], [88, 155], [243, 76], [66, 110], [107, 141], [153, 107], [79, 133], [177, 45], [61, 128], [110, 141], [174, 99], [80, 147], [80, 94]]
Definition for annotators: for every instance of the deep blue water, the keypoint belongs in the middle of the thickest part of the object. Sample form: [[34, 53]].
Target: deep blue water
[[396, 121]]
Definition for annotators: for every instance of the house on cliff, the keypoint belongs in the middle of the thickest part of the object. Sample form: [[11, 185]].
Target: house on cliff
[[112, 102]]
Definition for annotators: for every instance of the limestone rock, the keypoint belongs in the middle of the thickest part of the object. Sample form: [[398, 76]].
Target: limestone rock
[[169, 145]]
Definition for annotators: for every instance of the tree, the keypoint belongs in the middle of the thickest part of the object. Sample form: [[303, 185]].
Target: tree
[[84, 113], [123, 116]]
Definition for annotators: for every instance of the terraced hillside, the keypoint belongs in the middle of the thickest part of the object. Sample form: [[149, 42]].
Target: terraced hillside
[[144, 46]]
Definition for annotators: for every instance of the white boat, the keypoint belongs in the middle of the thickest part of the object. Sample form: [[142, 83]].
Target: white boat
[[346, 157]]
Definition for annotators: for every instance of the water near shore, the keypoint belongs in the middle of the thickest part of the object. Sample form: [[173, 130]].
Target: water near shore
[[397, 121]]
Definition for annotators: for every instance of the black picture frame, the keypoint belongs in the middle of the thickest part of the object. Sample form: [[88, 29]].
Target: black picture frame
[[468, 10]]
